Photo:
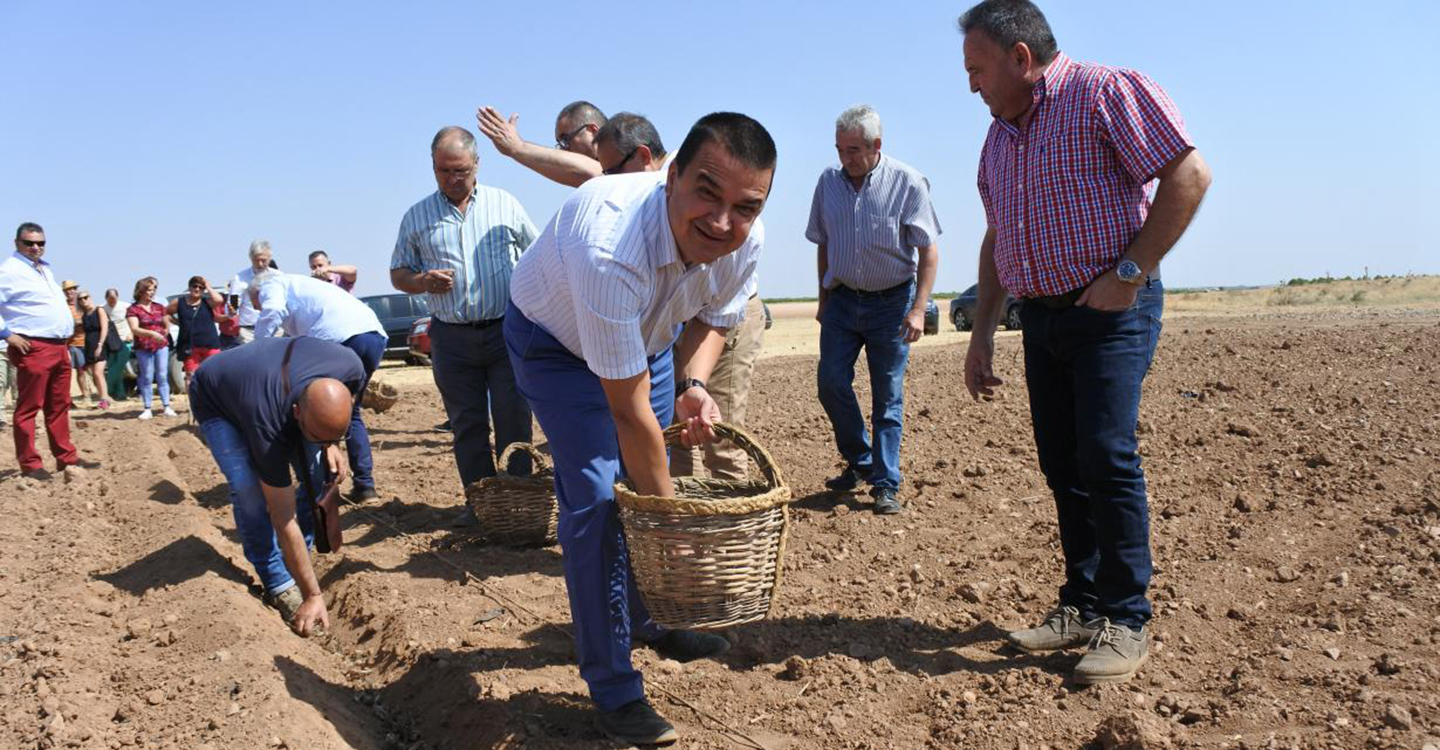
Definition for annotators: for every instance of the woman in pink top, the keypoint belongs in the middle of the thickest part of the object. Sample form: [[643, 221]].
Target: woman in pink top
[[151, 327]]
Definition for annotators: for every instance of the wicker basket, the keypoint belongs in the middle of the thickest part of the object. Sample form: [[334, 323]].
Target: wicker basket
[[516, 511], [379, 397], [711, 557]]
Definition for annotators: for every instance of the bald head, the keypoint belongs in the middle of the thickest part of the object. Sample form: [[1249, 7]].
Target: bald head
[[324, 410]]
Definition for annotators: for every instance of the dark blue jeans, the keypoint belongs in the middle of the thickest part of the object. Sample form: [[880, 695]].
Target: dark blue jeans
[[370, 347], [1084, 368], [853, 320], [572, 409], [476, 383]]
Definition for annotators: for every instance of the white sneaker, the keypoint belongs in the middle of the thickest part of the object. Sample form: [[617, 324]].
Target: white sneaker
[[146, 414], [170, 412]]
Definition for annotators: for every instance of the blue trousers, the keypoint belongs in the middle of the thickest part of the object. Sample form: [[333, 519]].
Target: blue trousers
[[370, 347], [569, 403], [1083, 369], [871, 320], [154, 367], [247, 501]]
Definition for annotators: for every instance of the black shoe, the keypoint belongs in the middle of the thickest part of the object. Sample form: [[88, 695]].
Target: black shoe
[[688, 645], [886, 504], [363, 494], [443, 426], [465, 519], [849, 479], [637, 723], [82, 463]]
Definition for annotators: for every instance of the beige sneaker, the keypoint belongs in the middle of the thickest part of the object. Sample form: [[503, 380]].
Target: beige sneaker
[[1062, 628], [288, 602], [1115, 654]]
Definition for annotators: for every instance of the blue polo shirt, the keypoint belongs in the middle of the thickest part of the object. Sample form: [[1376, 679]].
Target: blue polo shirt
[[243, 387]]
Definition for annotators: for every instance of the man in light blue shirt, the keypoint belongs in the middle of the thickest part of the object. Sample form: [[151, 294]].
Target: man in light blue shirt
[[459, 246], [36, 323], [597, 304], [876, 231], [306, 306]]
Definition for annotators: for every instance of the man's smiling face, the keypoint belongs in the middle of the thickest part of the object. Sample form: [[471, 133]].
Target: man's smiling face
[[713, 204]]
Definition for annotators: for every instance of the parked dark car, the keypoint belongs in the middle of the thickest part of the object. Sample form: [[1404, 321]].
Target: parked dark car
[[419, 343], [962, 310], [397, 313], [932, 318]]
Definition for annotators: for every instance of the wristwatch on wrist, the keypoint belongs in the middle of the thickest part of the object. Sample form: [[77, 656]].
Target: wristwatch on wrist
[[1130, 272], [689, 383]]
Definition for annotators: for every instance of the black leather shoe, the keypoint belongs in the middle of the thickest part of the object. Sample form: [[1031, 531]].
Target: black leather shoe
[[688, 645], [849, 479], [363, 494], [886, 504], [637, 723]]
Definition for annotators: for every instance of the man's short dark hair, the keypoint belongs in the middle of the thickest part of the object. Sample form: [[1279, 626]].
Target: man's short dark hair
[[630, 131], [744, 137], [1008, 22], [582, 113], [28, 227], [317, 254]]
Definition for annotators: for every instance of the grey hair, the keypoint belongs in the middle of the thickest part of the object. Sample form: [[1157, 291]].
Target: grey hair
[[582, 113], [861, 118], [265, 277], [630, 131], [260, 246], [460, 136]]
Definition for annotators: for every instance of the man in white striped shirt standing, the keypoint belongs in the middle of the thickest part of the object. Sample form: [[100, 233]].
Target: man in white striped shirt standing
[[597, 304], [871, 217], [458, 247]]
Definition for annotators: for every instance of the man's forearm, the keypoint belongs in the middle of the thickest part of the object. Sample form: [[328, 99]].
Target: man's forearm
[[280, 504], [1183, 183], [926, 267], [407, 281], [348, 273], [564, 167], [822, 264], [990, 297], [642, 444], [699, 349]]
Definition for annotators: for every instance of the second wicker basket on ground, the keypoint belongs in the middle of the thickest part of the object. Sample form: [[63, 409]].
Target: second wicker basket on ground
[[517, 511], [710, 557]]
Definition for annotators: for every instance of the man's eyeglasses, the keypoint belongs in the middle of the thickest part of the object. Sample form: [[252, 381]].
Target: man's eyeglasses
[[32, 243], [621, 165], [563, 142]]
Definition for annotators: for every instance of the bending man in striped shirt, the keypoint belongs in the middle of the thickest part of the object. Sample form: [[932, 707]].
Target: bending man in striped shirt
[[458, 247], [596, 307], [1072, 231], [876, 229]]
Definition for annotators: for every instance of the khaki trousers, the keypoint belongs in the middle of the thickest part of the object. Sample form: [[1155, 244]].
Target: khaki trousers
[[729, 385]]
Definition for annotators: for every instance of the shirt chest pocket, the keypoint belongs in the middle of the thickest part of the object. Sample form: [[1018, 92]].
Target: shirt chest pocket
[[884, 231]]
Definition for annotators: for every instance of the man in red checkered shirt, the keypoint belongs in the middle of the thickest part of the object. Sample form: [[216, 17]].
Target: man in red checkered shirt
[[1075, 231]]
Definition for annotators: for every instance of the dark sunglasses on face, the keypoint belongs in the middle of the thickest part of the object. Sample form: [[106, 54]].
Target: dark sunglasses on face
[[34, 243], [621, 164]]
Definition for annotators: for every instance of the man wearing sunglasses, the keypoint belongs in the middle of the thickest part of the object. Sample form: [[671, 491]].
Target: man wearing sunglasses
[[263, 409], [36, 324], [572, 161]]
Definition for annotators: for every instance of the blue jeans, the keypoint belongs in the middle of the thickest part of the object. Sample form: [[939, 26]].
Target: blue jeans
[[1083, 369], [872, 320], [476, 383], [247, 501], [571, 407], [370, 347], [154, 367]]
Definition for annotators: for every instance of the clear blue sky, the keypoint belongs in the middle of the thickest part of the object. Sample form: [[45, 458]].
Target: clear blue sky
[[161, 138]]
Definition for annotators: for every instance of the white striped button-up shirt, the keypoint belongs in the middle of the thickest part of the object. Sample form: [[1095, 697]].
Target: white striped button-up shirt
[[606, 279], [871, 234], [481, 245], [306, 306], [31, 303]]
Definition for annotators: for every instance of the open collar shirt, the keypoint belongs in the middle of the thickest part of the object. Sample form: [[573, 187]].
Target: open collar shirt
[[481, 244], [306, 306], [1067, 193], [606, 279], [871, 234], [31, 303]]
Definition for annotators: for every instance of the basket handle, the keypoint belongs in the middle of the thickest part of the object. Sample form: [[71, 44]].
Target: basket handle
[[734, 433], [504, 460]]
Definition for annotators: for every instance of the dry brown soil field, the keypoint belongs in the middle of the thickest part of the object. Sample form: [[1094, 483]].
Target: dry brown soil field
[[1296, 530]]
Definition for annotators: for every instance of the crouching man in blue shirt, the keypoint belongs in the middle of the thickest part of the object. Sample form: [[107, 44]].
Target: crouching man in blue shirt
[[596, 305], [264, 408]]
